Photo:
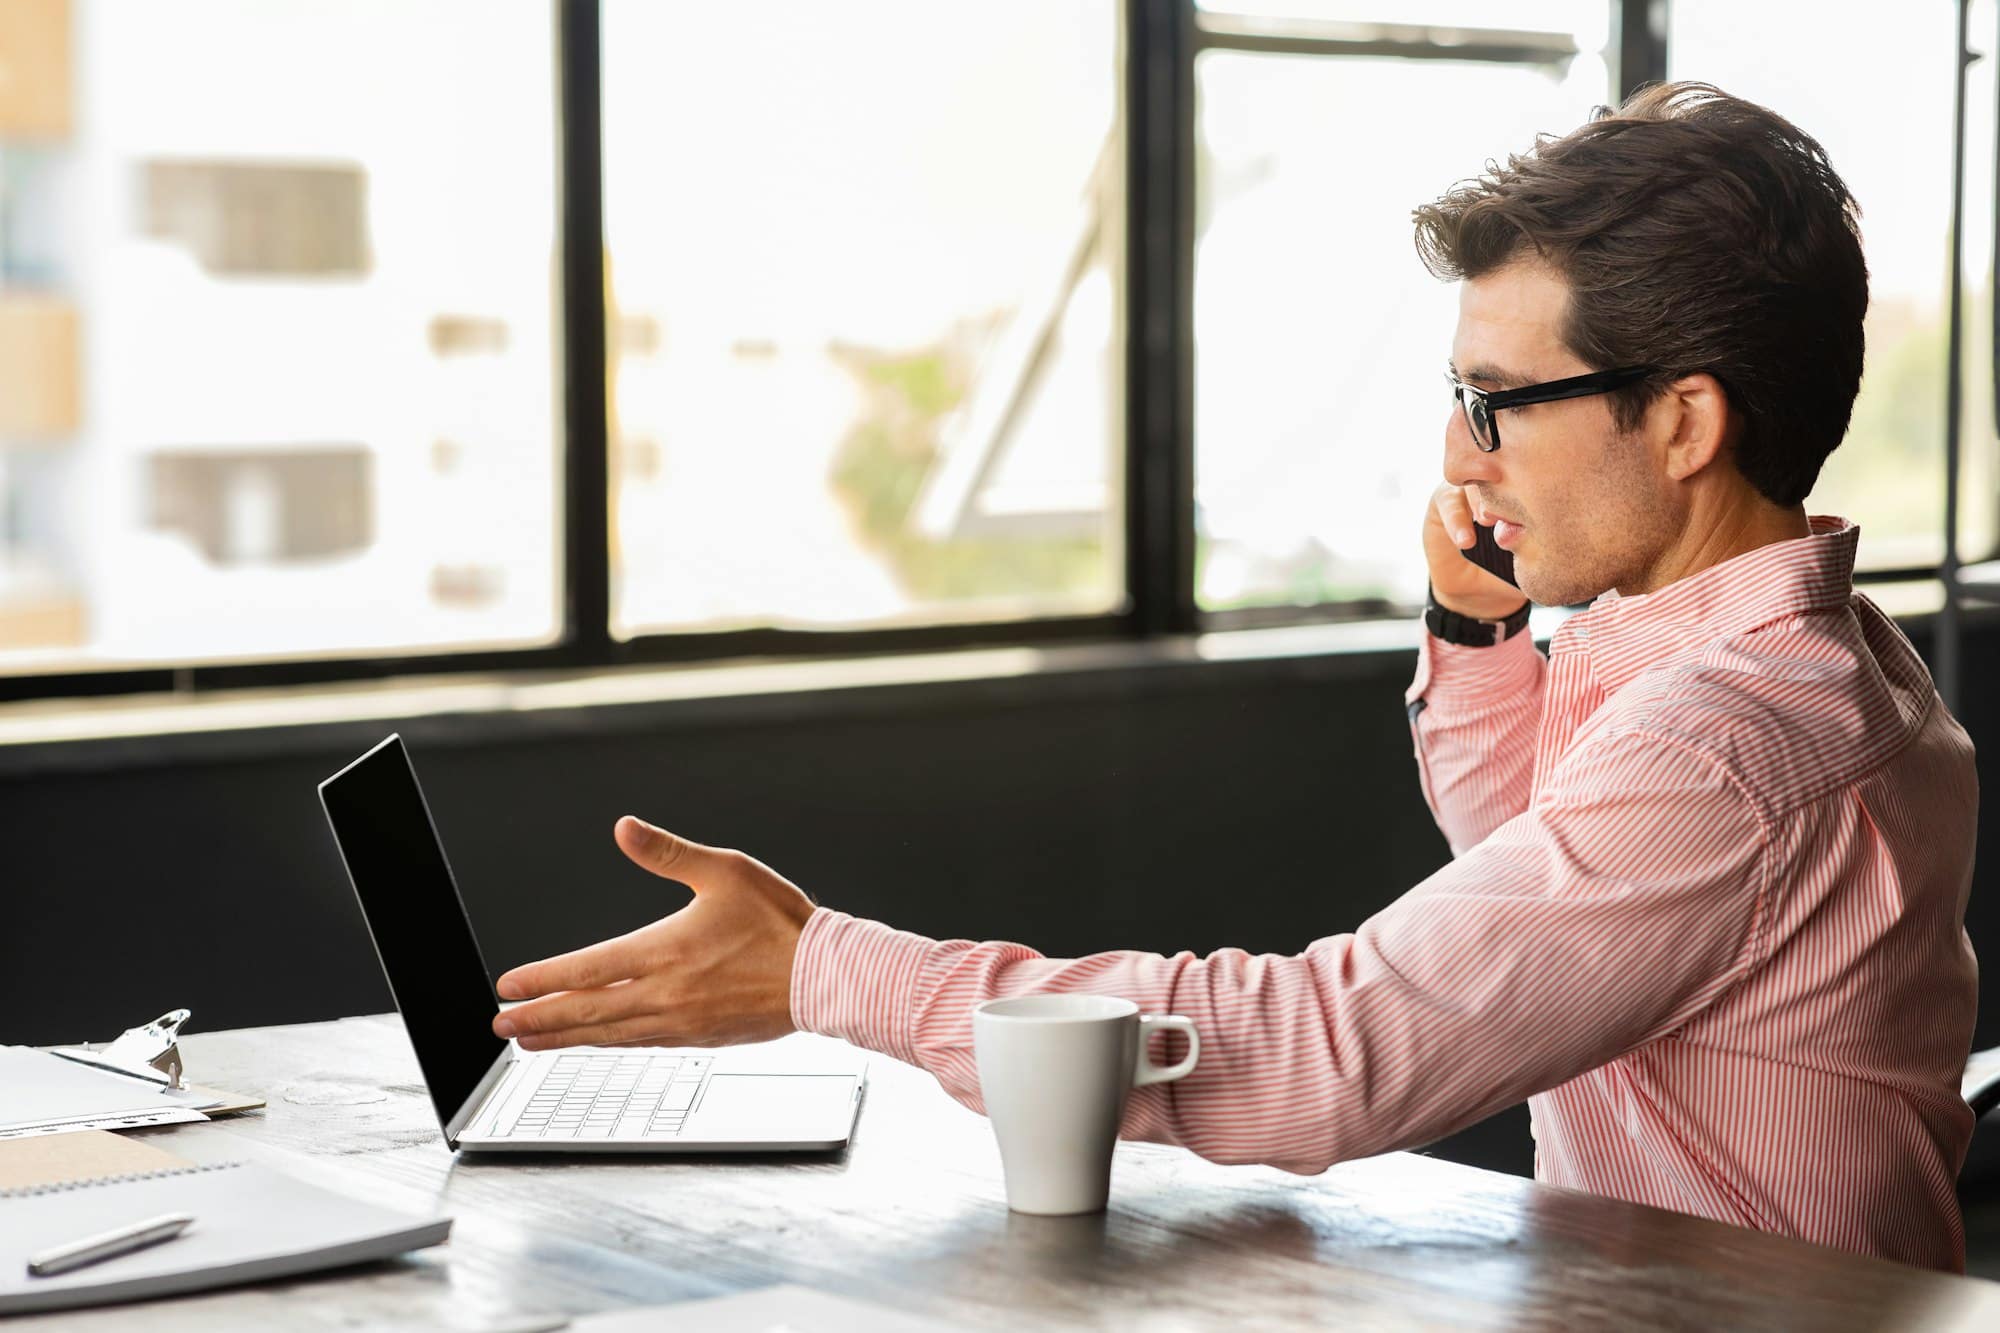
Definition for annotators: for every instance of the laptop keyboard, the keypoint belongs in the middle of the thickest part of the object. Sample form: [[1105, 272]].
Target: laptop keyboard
[[613, 1097]]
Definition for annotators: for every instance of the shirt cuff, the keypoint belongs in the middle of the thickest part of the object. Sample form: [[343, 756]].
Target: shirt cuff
[[1451, 671], [857, 980]]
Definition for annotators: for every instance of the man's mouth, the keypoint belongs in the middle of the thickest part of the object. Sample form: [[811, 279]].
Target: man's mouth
[[1506, 531], [1485, 517]]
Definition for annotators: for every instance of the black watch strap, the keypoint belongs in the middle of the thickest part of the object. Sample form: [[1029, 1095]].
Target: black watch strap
[[1468, 631]]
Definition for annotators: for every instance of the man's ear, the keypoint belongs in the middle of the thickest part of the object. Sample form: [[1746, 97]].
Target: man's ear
[[1703, 426]]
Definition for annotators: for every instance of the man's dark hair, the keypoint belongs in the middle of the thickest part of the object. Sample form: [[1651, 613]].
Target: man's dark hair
[[1697, 232]]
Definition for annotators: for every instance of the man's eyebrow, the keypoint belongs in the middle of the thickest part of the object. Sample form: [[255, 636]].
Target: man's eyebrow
[[1485, 375]]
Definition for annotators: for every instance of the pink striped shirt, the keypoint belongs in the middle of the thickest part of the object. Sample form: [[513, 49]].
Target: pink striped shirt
[[1705, 912]]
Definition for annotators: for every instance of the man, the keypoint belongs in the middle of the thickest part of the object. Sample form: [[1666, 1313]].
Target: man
[[1711, 853]]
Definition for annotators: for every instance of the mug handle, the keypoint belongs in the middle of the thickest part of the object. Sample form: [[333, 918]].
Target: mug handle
[[1148, 1072]]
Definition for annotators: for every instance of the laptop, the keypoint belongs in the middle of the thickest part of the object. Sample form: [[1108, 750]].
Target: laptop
[[492, 1096]]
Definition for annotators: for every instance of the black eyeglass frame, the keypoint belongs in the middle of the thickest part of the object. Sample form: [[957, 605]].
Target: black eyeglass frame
[[1551, 391]]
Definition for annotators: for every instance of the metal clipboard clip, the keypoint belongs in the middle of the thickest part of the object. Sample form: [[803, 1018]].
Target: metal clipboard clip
[[151, 1052]]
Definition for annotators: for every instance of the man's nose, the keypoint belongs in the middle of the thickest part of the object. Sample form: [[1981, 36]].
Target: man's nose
[[1464, 464]]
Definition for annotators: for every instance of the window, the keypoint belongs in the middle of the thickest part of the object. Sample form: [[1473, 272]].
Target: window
[[275, 329], [864, 266], [921, 324], [1319, 336], [1889, 134]]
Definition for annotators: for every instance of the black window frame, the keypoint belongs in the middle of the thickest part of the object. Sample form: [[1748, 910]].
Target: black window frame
[[1160, 41]]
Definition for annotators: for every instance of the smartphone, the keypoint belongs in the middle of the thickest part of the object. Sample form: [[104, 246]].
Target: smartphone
[[1490, 555]]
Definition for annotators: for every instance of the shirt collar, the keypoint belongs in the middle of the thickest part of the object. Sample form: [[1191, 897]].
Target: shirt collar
[[1622, 636]]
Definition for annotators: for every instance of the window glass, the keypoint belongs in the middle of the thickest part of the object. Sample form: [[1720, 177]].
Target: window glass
[[1320, 338], [1889, 135], [276, 294], [864, 268]]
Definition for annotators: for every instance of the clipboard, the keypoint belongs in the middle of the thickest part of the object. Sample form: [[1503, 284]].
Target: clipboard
[[134, 1081], [151, 1051]]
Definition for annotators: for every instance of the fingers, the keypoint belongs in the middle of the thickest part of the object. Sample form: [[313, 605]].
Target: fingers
[[600, 1006], [598, 965], [1449, 504], [593, 1035], [667, 855], [657, 850], [719, 970], [632, 1031], [632, 1012]]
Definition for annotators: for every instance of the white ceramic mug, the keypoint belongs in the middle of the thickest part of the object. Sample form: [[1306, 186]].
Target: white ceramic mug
[[1055, 1071]]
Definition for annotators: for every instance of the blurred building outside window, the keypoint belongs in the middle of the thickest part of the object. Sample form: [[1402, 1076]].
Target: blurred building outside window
[[277, 358], [279, 347]]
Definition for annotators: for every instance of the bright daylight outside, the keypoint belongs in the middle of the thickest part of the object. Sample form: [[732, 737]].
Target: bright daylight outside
[[279, 360], [864, 267], [1888, 133], [1320, 338], [276, 295]]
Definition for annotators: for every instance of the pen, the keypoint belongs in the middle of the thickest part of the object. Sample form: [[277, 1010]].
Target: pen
[[107, 1244]]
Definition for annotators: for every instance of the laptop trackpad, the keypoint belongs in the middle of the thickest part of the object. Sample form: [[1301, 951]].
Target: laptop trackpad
[[774, 1106]]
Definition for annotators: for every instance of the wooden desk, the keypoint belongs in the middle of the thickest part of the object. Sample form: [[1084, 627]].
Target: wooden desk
[[912, 1216]]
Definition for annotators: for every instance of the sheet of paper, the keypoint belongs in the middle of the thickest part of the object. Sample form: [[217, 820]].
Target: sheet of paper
[[40, 1092], [786, 1309], [90, 1154]]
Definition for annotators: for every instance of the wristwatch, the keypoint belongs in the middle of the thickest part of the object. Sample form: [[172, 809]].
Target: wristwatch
[[1470, 631]]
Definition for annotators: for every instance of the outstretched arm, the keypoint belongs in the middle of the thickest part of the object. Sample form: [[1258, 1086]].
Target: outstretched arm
[[1574, 933]]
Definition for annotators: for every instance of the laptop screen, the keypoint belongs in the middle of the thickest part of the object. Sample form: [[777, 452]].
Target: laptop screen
[[422, 934]]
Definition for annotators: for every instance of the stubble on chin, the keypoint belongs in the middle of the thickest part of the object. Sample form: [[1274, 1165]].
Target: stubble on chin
[[1557, 576], [1614, 527]]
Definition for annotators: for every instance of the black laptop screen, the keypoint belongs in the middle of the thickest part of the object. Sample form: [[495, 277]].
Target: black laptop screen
[[422, 934]]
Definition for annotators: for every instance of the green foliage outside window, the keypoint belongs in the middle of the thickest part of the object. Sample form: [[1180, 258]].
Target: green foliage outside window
[[881, 468]]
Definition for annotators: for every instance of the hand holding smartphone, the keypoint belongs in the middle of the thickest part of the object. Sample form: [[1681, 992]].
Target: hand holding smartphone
[[1485, 588]]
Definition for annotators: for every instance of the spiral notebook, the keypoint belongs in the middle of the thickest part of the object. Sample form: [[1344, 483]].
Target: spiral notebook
[[251, 1223]]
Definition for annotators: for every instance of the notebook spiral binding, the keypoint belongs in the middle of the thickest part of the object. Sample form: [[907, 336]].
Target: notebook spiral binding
[[61, 1186]]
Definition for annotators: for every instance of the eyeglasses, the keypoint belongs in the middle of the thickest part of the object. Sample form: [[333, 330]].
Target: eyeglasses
[[1479, 405]]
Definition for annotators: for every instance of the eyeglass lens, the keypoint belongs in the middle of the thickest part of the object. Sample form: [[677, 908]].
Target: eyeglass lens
[[1477, 417]]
